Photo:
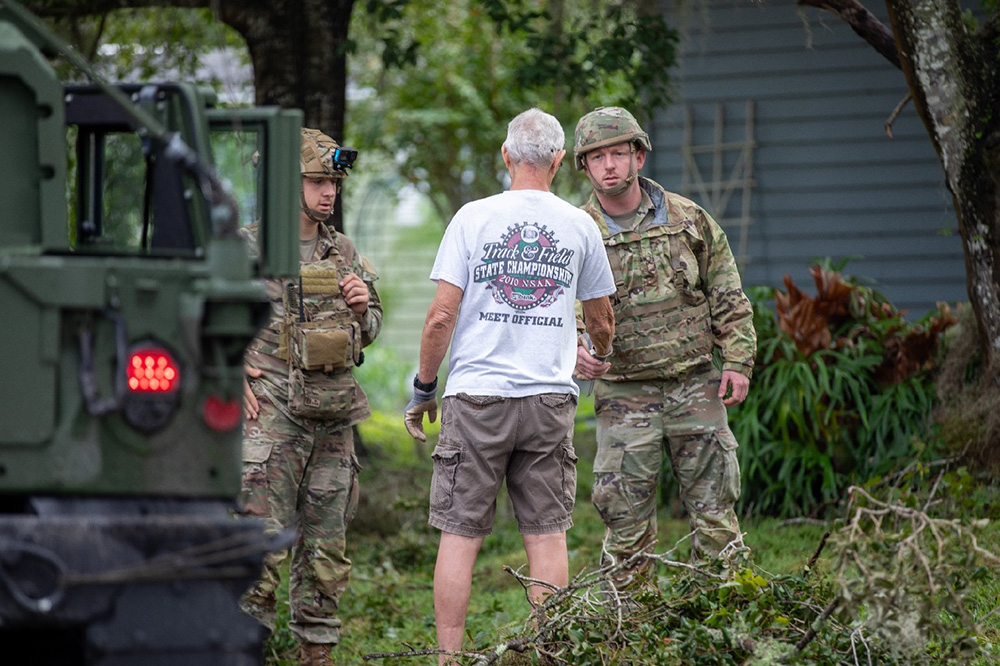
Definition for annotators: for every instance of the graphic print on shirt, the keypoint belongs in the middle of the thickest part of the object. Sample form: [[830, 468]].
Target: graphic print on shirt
[[525, 269]]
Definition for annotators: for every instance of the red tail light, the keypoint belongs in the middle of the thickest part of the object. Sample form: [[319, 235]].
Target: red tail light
[[152, 370], [153, 377]]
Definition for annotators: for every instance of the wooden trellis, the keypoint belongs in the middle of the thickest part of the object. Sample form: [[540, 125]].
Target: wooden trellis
[[715, 191]]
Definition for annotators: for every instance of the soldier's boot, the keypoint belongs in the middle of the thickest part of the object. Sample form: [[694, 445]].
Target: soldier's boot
[[315, 654]]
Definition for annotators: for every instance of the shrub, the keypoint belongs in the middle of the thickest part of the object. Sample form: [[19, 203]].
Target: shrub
[[841, 393]]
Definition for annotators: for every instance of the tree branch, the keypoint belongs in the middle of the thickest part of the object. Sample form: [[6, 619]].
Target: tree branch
[[895, 113], [73, 8], [865, 24]]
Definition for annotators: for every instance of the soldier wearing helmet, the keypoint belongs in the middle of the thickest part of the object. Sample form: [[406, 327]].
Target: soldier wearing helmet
[[679, 299], [322, 159], [610, 132], [301, 401]]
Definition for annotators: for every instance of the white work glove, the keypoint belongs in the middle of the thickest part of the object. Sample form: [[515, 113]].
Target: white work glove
[[422, 402]]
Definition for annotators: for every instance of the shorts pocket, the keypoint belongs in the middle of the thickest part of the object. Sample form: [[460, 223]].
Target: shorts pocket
[[557, 399], [479, 401], [443, 482], [569, 460]]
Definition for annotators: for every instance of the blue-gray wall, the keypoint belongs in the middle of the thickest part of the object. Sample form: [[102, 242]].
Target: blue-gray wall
[[826, 180]]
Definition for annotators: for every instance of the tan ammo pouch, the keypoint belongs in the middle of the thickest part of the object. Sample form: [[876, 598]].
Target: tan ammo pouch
[[319, 384], [318, 395], [316, 347]]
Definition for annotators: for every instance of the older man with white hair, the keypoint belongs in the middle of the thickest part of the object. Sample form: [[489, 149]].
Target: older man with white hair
[[509, 270]]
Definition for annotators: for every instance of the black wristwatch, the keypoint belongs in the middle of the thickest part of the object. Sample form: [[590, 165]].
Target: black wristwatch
[[427, 388]]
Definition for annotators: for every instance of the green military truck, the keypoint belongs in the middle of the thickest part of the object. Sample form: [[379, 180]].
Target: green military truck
[[127, 299]]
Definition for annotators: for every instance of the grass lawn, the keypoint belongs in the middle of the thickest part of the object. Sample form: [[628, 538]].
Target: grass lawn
[[388, 607]]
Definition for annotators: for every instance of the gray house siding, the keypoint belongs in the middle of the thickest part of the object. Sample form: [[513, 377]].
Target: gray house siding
[[824, 179]]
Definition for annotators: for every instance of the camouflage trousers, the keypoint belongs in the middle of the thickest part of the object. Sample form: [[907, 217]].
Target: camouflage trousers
[[306, 481], [636, 421]]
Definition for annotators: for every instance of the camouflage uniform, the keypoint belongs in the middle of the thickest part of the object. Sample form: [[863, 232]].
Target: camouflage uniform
[[300, 470], [678, 297]]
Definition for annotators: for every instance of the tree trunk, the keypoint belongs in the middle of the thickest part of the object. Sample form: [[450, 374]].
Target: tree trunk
[[954, 87], [951, 72], [299, 54], [298, 49]]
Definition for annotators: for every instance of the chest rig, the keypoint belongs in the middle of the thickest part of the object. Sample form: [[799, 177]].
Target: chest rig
[[662, 315], [317, 336], [320, 329]]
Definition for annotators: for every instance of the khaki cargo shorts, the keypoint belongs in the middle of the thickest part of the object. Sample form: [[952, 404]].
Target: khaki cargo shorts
[[485, 439]]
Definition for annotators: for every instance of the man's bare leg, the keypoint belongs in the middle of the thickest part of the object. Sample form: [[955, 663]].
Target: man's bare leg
[[452, 588], [548, 560]]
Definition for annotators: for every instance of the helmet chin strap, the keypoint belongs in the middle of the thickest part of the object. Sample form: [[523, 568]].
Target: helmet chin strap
[[313, 215], [625, 184]]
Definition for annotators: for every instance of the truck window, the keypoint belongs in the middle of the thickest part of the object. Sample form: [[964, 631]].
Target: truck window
[[237, 154]]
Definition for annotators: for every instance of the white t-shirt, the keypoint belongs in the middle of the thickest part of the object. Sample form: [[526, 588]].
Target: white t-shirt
[[522, 259]]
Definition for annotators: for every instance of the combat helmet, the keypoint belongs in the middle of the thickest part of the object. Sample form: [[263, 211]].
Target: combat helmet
[[606, 126], [322, 156]]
